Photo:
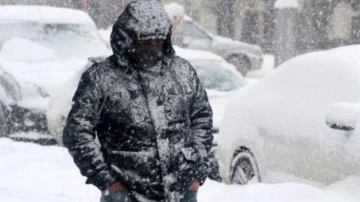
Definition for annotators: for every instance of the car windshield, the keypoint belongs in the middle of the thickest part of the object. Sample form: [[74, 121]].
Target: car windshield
[[215, 75], [68, 40], [194, 31]]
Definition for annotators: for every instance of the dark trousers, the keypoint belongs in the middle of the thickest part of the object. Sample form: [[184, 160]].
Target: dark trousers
[[124, 196]]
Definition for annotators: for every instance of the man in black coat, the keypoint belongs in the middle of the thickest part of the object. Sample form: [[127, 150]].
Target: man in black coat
[[149, 112]]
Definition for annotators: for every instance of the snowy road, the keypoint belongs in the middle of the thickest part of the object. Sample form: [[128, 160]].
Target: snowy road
[[32, 173]]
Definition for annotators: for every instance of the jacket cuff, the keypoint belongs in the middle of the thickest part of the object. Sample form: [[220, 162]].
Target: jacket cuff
[[102, 180], [201, 172]]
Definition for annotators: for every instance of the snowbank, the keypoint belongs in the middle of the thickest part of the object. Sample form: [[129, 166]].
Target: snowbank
[[281, 192], [32, 173], [29, 172]]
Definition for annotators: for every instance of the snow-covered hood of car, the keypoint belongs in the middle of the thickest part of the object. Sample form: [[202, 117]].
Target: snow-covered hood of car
[[47, 75], [33, 63]]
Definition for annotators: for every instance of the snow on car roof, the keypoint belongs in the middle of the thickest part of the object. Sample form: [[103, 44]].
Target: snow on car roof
[[44, 14], [191, 54]]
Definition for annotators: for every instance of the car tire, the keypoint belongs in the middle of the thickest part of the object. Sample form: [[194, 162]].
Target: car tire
[[244, 168], [241, 63]]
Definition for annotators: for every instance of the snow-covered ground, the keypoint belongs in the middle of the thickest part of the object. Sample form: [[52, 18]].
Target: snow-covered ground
[[32, 173]]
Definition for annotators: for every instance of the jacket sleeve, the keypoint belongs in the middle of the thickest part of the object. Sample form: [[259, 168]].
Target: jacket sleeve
[[201, 125], [80, 132]]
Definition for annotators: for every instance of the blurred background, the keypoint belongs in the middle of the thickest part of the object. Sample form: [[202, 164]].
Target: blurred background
[[284, 28]]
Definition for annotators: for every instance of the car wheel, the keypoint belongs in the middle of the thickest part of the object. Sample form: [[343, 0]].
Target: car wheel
[[244, 168], [241, 63]]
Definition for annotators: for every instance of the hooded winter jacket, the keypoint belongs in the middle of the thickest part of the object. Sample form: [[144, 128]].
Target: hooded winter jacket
[[154, 138]]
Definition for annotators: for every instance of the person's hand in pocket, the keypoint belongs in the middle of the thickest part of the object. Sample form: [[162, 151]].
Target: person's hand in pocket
[[115, 187], [194, 185]]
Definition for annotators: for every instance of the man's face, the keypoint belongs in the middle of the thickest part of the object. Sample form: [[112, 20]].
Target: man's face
[[145, 53]]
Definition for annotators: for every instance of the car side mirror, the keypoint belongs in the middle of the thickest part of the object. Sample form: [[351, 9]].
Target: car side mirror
[[343, 116]]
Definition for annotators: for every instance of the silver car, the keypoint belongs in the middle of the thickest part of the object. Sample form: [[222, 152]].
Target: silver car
[[276, 127], [244, 56], [17, 119], [43, 45]]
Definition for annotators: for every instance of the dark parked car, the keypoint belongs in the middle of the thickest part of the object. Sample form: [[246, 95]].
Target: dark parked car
[[188, 34], [17, 121]]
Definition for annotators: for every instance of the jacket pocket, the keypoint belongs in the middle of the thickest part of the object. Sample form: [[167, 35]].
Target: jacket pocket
[[143, 162], [189, 154]]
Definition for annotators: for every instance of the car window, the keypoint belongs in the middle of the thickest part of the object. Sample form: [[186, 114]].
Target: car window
[[192, 30], [214, 76], [71, 40]]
